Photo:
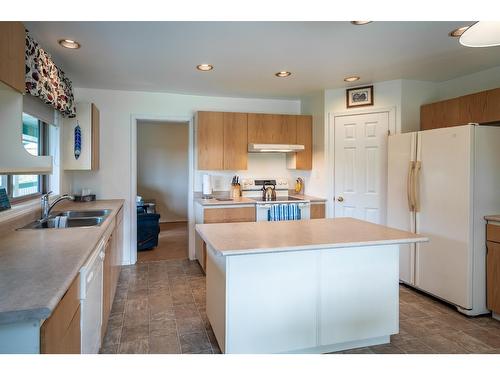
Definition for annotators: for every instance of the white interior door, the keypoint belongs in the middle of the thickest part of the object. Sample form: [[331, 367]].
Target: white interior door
[[361, 166], [444, 264], [402, 150]]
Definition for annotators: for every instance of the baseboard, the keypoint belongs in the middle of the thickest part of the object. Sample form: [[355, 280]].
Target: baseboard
[[343, 346]]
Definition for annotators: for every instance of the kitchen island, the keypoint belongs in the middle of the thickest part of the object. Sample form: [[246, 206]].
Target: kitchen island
[[310, 286]]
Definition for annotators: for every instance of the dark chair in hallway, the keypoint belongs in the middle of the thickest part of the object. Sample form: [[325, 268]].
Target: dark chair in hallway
[[148, 229]]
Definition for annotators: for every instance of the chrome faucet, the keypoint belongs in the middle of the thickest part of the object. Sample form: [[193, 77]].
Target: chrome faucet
[[46, 207]]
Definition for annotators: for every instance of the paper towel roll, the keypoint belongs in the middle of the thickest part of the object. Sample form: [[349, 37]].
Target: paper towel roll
[[207, 184]]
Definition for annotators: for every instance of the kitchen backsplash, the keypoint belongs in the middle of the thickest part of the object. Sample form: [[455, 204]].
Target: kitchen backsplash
[[259, 166]]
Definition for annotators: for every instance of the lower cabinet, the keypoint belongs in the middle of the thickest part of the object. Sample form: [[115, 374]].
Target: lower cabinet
[[493, 267], [318, 210], [60, 333], [212, 215], [111, 269], [493, 276]]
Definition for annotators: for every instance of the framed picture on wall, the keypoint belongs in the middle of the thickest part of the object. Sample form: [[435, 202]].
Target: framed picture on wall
[[359, 96]]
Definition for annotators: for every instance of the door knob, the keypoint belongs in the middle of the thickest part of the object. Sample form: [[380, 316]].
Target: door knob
[[340, 199]]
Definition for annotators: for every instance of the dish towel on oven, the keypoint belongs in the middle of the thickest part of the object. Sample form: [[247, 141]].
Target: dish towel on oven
[[285, 211]]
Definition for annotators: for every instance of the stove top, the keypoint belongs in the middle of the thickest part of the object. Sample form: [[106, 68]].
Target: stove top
[[279, 200]]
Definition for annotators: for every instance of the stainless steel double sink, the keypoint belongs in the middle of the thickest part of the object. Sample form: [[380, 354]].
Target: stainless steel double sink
[[71, 219]]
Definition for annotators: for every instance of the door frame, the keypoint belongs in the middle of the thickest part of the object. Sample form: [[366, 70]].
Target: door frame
[[394, 128], [133, 179]]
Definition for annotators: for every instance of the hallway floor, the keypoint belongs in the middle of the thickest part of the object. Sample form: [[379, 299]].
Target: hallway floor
[[160, 308], [172, 244]]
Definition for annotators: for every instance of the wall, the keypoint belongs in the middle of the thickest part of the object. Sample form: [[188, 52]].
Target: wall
[[315, 182], [468, 84], [113, 179], [162, 167]]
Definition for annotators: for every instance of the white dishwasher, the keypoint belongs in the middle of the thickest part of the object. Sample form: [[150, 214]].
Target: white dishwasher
[[91, 285]]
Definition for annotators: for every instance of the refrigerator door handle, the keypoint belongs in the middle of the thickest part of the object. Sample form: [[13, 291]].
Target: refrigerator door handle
[[409, 186], [416, 186]]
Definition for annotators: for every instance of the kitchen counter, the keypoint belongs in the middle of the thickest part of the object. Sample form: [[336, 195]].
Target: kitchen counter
[[38, 266], [492, 218], [215, 202], [262, 237], [312, 286], [245, 200], [310, 198]]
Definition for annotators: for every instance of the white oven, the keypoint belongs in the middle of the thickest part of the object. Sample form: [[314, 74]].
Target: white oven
[[283, 211], [283, 207]]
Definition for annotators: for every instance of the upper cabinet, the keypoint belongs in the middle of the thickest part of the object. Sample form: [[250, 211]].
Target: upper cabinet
[[482, 107], [303, 159], [222, 138], [439, 115], [265, 128], [210, 140], [235, 141], [81, 139], [12, 44]]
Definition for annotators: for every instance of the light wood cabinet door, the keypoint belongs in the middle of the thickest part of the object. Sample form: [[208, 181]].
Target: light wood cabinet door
[[235, 140], [266, 128], [482, 107], [210, 140], [228, 215], [440, 114], [12, 45], [318, 211], [472, 107], [288, 129], [492, 107], [303, 159], [60, 333], [493, 276]]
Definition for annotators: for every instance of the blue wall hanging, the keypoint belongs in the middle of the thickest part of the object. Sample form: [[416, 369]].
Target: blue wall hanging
[[78, 141]]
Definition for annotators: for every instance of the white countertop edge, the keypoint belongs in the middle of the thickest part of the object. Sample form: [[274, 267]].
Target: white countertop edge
[[313, 247]]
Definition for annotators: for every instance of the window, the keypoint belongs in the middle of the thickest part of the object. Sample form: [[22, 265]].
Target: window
[[35, 141]]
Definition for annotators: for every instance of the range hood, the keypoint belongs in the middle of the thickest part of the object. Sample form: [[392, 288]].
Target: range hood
[[273, 147]]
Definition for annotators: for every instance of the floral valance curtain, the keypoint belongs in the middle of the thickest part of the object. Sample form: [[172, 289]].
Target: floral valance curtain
[[45, 80]]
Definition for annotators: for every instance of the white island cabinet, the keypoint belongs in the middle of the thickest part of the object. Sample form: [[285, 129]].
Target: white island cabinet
[[311, 286]]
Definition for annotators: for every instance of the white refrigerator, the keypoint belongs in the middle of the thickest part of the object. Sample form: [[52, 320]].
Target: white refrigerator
[[441, 183]]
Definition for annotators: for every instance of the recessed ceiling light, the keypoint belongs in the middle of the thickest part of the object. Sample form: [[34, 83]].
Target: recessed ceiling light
[[69, 43], [283, 74], [351, 79], [458, 32], [205, 67], [359, 23]]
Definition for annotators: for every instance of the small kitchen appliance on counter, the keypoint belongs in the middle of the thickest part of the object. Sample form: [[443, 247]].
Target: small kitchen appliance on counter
[[273, 201], [207, 187]]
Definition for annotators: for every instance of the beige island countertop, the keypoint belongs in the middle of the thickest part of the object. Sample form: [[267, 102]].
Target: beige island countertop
[[260, 237], [37, 266]]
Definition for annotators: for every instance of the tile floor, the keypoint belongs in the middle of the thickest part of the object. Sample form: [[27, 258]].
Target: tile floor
[[160, 308], [172, 244]]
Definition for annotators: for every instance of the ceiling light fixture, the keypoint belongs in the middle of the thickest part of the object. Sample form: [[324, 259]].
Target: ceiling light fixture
[[283, 74], [205, 67], [458, 31], [69, 43], [360, 23], [481, 34], [351, 78]]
